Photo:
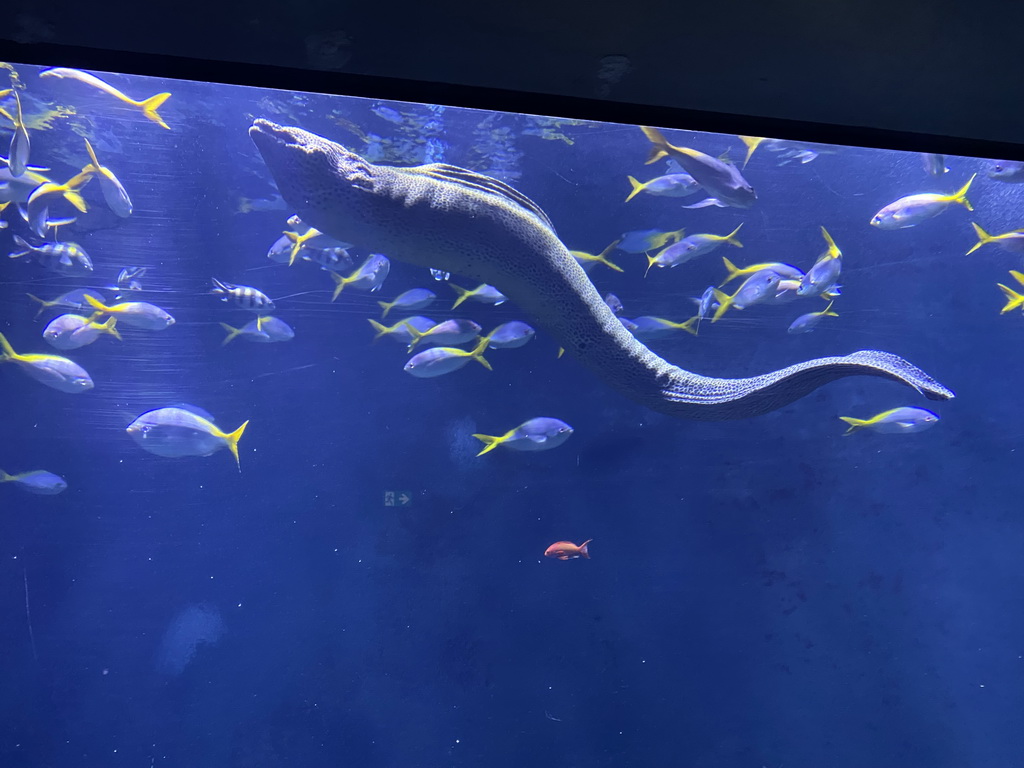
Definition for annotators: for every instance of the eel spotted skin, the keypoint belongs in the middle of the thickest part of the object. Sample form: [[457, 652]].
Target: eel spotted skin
[[453, 219]]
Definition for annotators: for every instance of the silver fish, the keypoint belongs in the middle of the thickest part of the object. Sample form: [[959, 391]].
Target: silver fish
[[113, 191], [174, 432], [720, 178], [370, 275], [265, 330], [401, 331], [441, 360], [898, 421], [38, 481], [807, 323], [447, 333], [18, 157], [409, 301], [56, 372], [138, 314], [511, 335], [1007, 171], [71, 300], [540, 434]]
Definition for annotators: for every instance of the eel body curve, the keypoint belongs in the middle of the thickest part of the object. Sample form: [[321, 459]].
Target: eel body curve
[[453, 219]]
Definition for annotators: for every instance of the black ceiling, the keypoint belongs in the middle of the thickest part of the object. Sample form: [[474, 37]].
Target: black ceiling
[[951, 70]]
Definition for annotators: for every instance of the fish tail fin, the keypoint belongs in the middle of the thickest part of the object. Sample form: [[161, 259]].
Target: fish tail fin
[[833, 249], [1019, 277], [92, 155], [960, 196], [490, 442], [827, 311], [43, 303], [731, 237], [380, 328], [561, 351], [69, 189], [637, 186], [690, 326], [477, 352], [339, 284], [584, 552], [99, 306], [1013, 299], [232, 333], [603, 256], [983, 238], [6, 350], [4, 477], [296, 246], [386, 306], [463, 294], [732, 269], [752, 143], [109, 327], [650, 263], [660, 144], [724, 302], [417, 336], [150, 107], [232, 439], [21, 244], [854, 424]]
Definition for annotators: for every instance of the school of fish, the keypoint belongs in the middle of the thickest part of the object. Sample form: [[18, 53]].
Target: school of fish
[[47, 210]]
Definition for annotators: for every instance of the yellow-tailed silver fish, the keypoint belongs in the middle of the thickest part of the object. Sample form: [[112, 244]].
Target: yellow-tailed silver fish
[[53, 371], [912, 210], [588, 260], [540, 434], [137, 314], [441, 360], [38, 481], [113, 191], [409, 301], [148, 106], [18, 157], [898, 421], [806, 323], [720, 178], [485, 294], [71, 331], [179, 431], [1008, 241]]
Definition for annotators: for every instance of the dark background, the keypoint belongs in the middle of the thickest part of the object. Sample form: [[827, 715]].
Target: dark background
[[943, 68], [762, 592]]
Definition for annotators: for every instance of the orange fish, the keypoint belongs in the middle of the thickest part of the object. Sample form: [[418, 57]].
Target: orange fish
[[566, 550]]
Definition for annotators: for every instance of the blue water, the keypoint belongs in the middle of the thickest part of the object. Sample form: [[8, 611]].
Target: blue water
[[760, 593]]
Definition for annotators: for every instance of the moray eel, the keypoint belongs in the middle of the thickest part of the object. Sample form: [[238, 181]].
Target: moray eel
[[453, 219]]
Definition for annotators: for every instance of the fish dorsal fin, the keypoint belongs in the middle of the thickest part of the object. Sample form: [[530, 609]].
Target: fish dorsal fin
[[195, 409], [482, 183]]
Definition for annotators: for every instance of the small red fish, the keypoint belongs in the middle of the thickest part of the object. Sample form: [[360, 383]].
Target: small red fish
[[566, 550]]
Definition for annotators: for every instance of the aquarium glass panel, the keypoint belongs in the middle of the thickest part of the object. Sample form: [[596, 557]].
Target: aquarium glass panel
[[353, 432]]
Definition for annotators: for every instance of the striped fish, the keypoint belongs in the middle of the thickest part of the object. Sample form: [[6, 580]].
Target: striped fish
[[62, 258], [244, 296]]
